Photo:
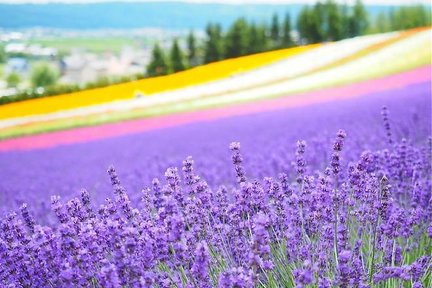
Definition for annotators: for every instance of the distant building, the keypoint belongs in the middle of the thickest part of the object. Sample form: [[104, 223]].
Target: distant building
[[17, 65], [74, 69], [15, 48], [10, 36], [81, 67], [39, 51], [34, 50]]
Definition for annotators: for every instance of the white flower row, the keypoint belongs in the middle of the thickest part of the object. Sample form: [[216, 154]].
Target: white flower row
[[294, 74]]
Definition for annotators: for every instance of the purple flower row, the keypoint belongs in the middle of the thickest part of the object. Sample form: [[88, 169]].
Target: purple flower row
[[357, 224]]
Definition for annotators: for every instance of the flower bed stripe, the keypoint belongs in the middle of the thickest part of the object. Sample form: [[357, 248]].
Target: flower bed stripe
[[420, 75]]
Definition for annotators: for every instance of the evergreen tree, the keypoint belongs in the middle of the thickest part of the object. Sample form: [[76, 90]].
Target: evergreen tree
[[391, 19], [410, 17], [263, 38], [382, 23], [2, 54], [158, 64], [213, 50], [12, 80], [345, 20], [418, 16], [425, 15], [303, 24], [274, 32], [192, 50], [287, 40], [43, 76], [334, 21], [177, 57], [257, 39], [310, 23], [317, 28], [359, 20], [236, 40], [254, 40]]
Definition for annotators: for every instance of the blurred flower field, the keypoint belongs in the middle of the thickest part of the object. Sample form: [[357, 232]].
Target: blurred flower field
[[298, 70], [195, 76], [309, 168]]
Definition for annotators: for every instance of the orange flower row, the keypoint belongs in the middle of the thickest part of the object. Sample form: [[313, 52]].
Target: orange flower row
[[124, 91]]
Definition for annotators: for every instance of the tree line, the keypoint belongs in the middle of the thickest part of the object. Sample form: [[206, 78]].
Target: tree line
[[242, 38], [321, 22]]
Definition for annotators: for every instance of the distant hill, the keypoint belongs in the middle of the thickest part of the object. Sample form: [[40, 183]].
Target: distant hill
[[116, 15]]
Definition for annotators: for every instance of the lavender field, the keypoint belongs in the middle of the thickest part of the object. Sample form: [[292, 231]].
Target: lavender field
[[329, 195]]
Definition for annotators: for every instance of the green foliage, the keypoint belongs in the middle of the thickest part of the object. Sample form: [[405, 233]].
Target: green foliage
[[330, 21], [100, 82], [177, 57], [2, 55], [410, 17], [257, 39], [358, 22], [310, 25], [383, 23], [192, 50], [254, 39], [236, 41], [264, 41], [43, 76], [287, 40], [213, 50], [92, 44], [334, 29], [303, 24], [12, 80], [57, 89], [49, 91], [275, 29], [404, 17], [158, 65]]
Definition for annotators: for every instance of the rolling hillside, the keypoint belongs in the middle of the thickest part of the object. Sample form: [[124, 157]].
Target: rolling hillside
[[307, 74]]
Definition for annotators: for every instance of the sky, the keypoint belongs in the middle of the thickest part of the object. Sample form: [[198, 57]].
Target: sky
[[381, 2]]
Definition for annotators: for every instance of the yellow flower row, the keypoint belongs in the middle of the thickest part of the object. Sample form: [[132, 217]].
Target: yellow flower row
[[124, 91]]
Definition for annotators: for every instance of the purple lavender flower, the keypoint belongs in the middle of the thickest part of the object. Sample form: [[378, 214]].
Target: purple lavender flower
[[85, 200], [108, 276], [188, 172], [57, 206], [200, 267], [236, 277], [344, 269], [237, 161], [113, 176], [384, 198], [337, 148], [384, 113], [300, 161], [29, 221], [303, 276], [259, 256]]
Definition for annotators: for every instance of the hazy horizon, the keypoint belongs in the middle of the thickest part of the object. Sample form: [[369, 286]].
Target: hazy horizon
[[368, 2]]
